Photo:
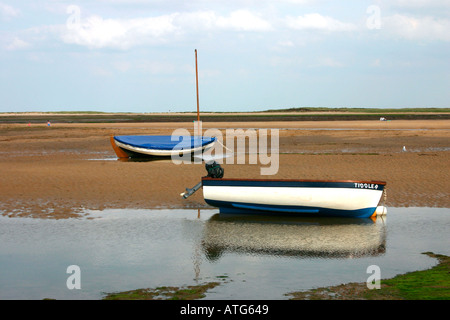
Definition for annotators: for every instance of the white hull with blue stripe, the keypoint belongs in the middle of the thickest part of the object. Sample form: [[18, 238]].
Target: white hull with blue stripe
[[309, 197]]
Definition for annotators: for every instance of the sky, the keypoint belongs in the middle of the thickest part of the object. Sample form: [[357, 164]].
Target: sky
[[253, 55]]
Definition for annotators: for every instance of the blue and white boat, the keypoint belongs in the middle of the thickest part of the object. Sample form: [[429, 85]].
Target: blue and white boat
[[346, 198], [159, 146]]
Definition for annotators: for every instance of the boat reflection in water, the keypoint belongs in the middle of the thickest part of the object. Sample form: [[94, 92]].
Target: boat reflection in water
[[294, 236]]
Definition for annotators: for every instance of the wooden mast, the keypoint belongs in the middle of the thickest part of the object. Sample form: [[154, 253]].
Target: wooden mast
[[196, 81]]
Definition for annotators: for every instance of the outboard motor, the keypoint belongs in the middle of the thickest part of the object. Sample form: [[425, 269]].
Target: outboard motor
[[214, 171]]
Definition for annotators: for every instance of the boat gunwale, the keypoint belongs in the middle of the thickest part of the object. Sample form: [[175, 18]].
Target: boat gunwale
[[294, 180]]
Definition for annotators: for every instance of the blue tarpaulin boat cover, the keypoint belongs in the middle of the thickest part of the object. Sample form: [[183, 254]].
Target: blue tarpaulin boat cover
[[165, 142]]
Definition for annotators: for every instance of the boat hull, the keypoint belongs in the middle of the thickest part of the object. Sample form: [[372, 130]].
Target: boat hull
[[358, 199], [159, 146]]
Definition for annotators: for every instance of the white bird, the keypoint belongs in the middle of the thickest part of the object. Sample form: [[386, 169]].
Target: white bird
[[404, 148]]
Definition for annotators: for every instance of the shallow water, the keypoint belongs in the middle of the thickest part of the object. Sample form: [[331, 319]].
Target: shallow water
[[253, 257]]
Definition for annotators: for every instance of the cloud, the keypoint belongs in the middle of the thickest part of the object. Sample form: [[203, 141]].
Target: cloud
[[238, 20], [17, 44], [315, 21], [297, 2], [243, 20], [413, 28], [97, 32], [8, 12], [329, 62], [375, 63], [420, 3]]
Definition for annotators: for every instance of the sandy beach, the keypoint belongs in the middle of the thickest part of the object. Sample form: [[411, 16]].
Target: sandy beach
[[62, 170]]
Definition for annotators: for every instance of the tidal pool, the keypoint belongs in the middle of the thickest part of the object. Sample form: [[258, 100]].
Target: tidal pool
[[254, 257]]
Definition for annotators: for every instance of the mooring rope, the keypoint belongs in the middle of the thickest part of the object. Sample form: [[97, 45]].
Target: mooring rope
[[224, 146]]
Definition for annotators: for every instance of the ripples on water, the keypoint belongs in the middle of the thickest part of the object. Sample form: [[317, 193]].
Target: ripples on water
[[259, 257]]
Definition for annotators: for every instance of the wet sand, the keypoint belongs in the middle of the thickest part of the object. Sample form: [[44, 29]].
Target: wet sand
[[59, 171]]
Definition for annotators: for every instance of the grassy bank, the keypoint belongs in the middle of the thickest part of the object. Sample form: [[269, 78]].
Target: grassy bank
[[365, 110], [431, 284]]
